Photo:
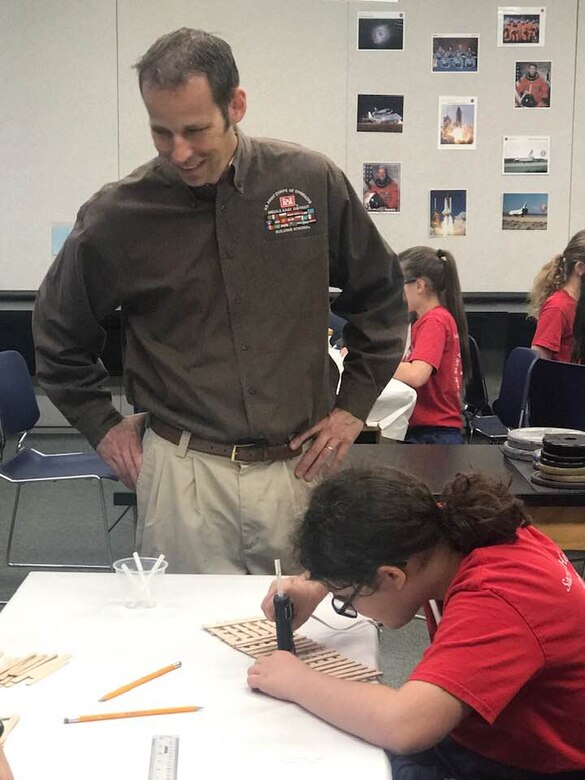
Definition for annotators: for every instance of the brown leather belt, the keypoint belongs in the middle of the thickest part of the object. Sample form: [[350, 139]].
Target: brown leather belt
[[238, 453]]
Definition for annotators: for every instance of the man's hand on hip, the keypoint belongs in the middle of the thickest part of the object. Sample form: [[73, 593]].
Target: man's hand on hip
[[121, 448], [333, 436]]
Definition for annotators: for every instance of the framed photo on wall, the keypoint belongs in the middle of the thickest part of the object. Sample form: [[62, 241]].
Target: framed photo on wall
[[380, 113], [448, 213], [526, 154], [521, 26], [525, 211], [457, 125], [380, 31], [455, 53], [381, 187], [532, 86]]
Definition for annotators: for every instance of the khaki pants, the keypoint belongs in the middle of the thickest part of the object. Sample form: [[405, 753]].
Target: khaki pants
[[211, 516]]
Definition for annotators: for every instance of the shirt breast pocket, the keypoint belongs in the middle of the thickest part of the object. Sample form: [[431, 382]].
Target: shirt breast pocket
[[295, 271]]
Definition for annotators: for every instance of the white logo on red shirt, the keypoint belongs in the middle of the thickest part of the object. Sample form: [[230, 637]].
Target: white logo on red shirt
[[567, 580]]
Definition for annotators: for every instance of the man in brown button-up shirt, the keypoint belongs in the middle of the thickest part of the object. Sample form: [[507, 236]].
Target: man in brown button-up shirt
[[220, 254]]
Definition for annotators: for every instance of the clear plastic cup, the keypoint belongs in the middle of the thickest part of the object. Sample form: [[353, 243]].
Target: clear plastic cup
[[140, 589]]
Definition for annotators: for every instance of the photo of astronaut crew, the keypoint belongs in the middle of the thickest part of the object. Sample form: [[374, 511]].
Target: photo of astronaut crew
[[521, 26], [381, 31], [381, 187], [455, 53], [533, 84]]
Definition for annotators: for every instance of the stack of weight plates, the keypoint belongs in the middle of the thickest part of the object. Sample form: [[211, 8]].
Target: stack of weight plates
[[562, 461], [522, 443]]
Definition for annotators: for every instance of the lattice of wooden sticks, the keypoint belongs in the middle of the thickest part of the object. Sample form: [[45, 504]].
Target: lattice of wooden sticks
[[257, 636]]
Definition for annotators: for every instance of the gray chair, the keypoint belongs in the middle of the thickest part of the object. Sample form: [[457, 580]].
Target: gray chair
[[19, 413]]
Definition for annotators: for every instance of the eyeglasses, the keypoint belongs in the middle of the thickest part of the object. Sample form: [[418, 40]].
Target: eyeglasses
[[344, 607], [411, 280]]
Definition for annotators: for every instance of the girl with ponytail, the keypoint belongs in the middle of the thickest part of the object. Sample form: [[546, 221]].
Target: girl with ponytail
[[500, 692], [438, 358], [558, 306]]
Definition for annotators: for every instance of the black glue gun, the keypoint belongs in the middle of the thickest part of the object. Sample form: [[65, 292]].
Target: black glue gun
[[283, 612]]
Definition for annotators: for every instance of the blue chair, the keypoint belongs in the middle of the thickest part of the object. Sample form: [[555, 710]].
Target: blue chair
[[510, 406], [19, 413], [556, 395]]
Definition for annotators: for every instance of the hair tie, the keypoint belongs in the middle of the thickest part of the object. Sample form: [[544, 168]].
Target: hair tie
[[441, 255]]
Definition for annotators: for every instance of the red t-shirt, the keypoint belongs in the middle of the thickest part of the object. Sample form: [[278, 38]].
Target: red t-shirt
[[434, 339], [554, 329], [511, 645]]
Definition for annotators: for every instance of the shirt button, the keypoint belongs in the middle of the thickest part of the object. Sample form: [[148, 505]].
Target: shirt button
[[229, 254], [252, 390], [222, 207], [245, 348], [237, 300]]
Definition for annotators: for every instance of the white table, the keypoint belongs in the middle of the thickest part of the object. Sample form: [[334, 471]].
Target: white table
[[393, 407], [239, 733]]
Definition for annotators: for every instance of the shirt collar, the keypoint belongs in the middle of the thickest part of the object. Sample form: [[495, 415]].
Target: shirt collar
[[241, 161]]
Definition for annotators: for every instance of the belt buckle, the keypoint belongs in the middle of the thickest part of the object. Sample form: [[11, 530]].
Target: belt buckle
[[234, 456]]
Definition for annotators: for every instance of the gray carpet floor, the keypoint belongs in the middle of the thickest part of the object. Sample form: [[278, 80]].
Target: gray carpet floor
[[61, 523]]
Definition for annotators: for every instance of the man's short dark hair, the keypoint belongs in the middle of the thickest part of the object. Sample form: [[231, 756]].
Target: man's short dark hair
[[176, 56]]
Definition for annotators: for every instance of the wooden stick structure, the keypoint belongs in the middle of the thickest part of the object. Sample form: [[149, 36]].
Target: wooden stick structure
[[29, 669], [257, 636]]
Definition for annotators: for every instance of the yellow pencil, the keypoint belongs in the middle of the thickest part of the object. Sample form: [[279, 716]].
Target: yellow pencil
[[135, 714], [141, 681]]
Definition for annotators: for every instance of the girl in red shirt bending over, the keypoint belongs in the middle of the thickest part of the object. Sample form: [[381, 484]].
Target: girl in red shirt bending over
[[499, 694], [558, 306], [438, 357]]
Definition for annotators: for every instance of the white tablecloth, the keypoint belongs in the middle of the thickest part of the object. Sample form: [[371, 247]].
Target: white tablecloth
[[393, 407], [239, 733]]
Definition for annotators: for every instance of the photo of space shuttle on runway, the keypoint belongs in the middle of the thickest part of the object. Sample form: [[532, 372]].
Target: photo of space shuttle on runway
[[525, 211], [526, 154]]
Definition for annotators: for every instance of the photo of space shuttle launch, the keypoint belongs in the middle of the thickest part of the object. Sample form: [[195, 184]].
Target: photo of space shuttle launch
[[448, 213], [457, 122]]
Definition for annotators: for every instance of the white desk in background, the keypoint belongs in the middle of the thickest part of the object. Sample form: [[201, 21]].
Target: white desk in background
[[393, 407], [239, 733]]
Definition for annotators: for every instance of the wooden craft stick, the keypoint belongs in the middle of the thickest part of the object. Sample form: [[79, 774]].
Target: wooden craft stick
[[8, 662], [25, 672], [140, 681], [17, 665], [46, 669], [135, 714]]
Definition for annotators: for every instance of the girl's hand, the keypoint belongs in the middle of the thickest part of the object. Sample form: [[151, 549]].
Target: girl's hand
[[281, 675], [304, 594]]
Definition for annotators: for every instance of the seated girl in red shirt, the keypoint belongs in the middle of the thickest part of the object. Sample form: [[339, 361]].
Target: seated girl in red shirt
[[558, 306], [499, 694], [438, 356]]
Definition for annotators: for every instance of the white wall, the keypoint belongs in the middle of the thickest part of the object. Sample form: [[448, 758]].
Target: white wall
[[72, 118]]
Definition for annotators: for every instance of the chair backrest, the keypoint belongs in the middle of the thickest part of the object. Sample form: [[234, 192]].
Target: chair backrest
[[511, 403], [19, 411], [556, 396], [476, 396]]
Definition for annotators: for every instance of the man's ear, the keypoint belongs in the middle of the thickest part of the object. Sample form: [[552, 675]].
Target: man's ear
[[391, 577], [237, 106]]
